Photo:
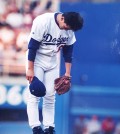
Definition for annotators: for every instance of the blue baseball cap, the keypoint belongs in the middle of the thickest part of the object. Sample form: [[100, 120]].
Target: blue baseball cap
[[37, 88]]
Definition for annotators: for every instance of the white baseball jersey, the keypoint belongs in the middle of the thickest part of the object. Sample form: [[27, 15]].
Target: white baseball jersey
[[51, 37]]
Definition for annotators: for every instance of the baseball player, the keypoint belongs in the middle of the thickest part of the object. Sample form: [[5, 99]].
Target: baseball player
[[49, 32]]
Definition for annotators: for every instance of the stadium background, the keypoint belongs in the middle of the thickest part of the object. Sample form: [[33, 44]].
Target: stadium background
[[95, 95]]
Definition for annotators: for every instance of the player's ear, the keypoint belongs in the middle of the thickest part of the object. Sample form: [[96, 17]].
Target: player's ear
[[62, 18]]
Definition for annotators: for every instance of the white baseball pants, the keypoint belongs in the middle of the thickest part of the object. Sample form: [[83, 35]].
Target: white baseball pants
[[48, 106]]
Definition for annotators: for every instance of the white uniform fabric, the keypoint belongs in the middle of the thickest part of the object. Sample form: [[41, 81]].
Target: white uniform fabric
[[47, 77], [46, 31]]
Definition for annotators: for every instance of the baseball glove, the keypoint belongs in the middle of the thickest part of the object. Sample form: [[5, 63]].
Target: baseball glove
[[62, 84]]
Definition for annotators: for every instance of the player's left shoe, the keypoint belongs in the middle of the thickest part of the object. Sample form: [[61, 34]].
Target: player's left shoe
[[49, 130], [37, 130]]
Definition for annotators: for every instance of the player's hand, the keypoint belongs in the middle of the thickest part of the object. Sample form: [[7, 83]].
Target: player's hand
[[29, 75]]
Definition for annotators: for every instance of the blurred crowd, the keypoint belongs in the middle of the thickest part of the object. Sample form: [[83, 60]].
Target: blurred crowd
[[15, 23], [94, 125]]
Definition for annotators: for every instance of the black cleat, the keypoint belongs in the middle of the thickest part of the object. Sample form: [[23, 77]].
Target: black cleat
[[38, 130], [49, 130]]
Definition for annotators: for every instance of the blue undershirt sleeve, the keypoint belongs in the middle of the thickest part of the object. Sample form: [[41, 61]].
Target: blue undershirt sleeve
[[67, 53], [32, 46]]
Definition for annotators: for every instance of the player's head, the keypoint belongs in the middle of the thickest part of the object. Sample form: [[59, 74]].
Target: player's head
[[71, 21]]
